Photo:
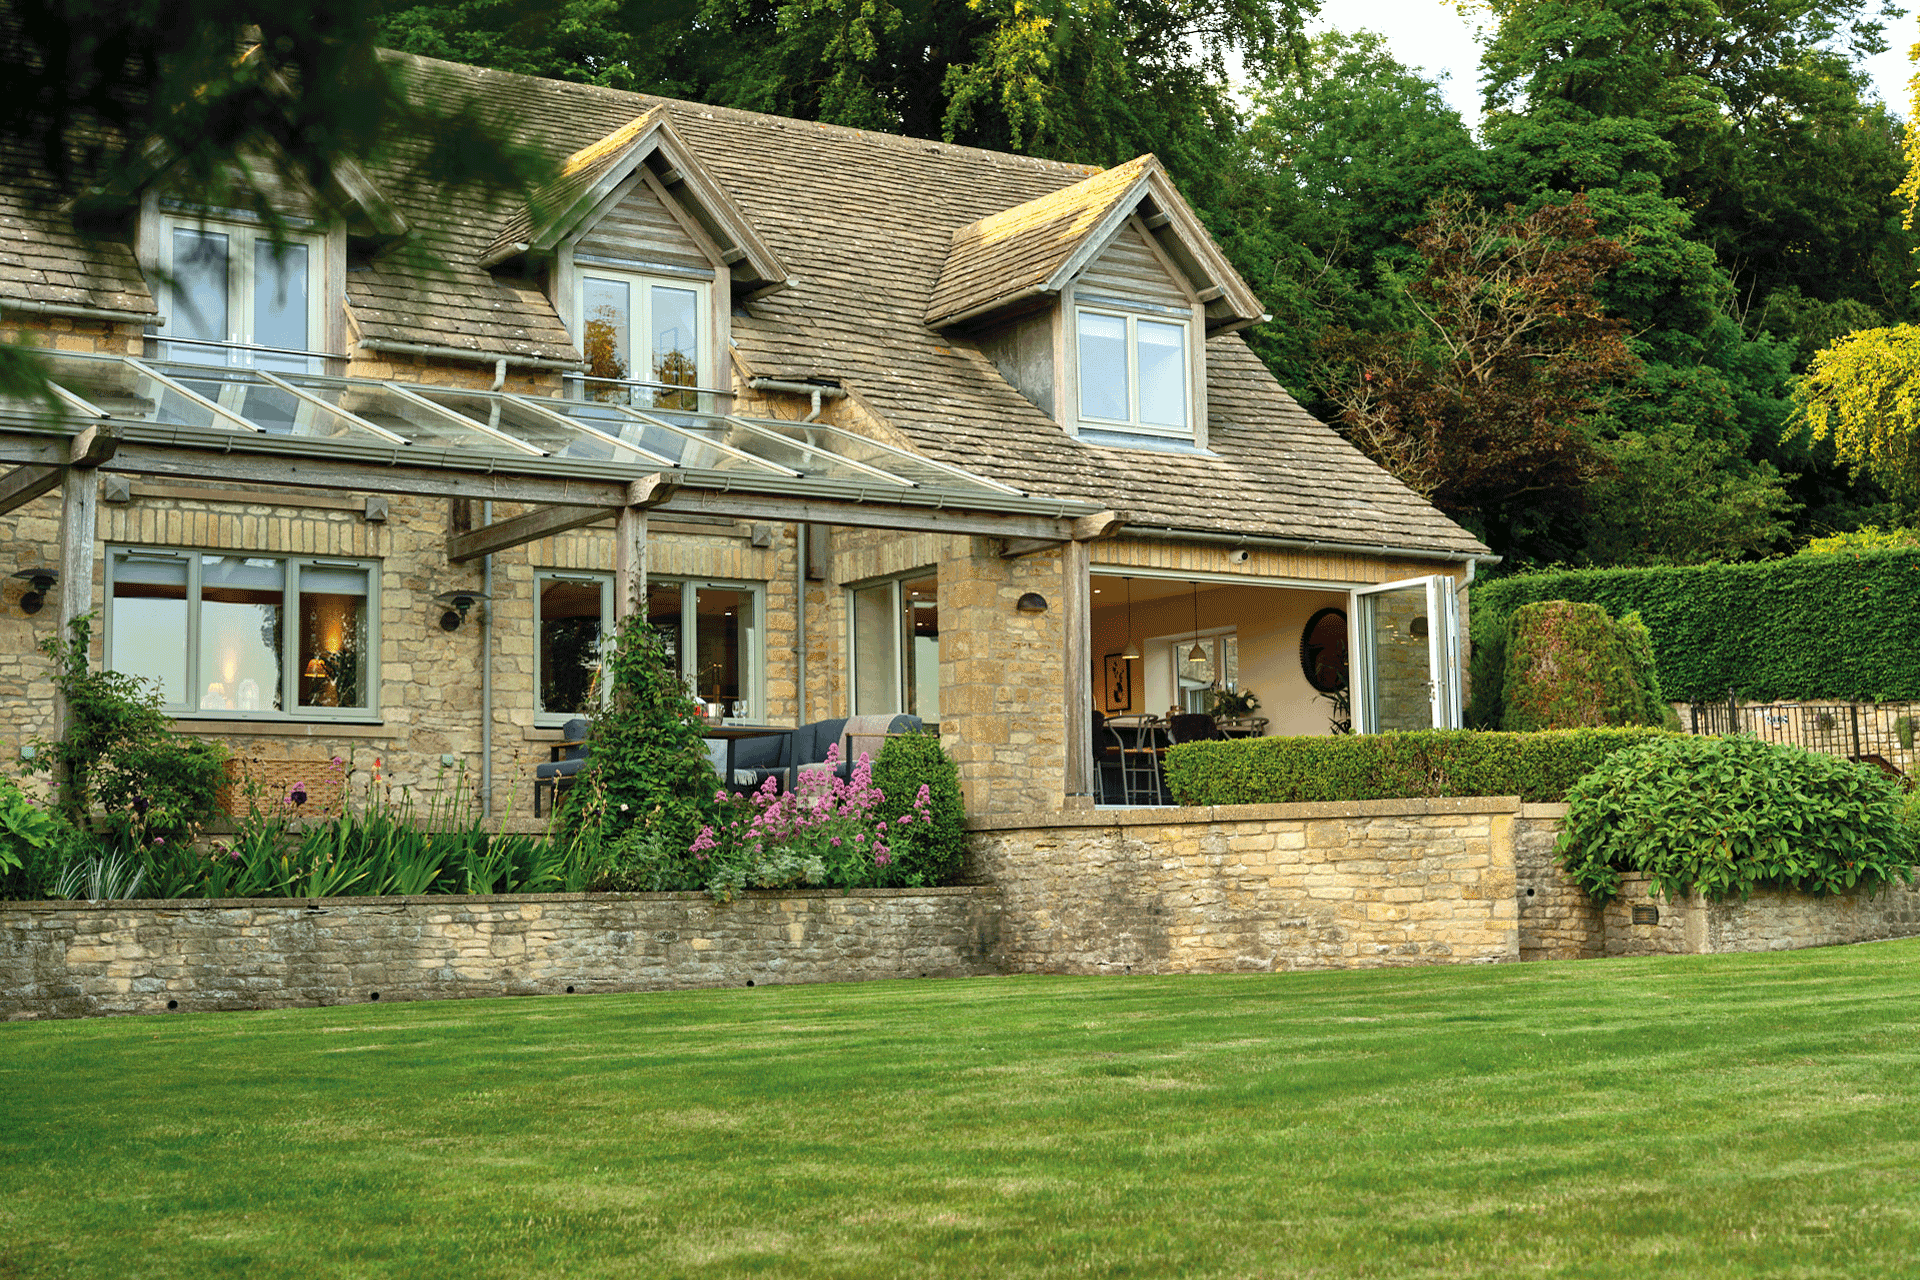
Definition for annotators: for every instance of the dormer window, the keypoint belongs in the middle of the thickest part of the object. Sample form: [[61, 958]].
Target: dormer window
[[644, 331], [1133, 373], [229, 286]]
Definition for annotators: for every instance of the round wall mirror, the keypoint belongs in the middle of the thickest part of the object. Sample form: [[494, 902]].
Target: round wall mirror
[[1323, 650]]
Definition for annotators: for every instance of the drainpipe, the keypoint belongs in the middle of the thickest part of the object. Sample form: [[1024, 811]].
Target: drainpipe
[[818, 391], [800, 617], [486, 635]]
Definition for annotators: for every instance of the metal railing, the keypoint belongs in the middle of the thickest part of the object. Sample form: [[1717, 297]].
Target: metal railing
[[1875, 732]]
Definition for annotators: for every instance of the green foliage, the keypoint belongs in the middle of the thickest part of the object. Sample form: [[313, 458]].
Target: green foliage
[[928, 841], [120, 751], [33, 843], [1723, 816], [1571, 666], [1383, 766], [1811, 626], [1867, 538], [649, 765]]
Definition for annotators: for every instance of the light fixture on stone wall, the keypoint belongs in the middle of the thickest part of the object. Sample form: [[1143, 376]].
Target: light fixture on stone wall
[[1031, 602], [39, 582], [1132, 652], [457, 604]]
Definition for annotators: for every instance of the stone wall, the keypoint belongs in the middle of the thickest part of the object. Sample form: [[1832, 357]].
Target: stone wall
[[1770, 920], [1558, 921], [1253, 887], [71, 959]]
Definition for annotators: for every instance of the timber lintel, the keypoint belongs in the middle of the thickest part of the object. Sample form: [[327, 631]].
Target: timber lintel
[[543, 522]]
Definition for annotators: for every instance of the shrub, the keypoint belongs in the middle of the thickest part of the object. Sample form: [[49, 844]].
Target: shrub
[[1722, 816], [649, 765], [924, 808], [1381, 766], [33, 844], [1571, 666]]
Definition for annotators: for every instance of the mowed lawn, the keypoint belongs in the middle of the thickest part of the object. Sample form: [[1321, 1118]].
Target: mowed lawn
[[1700, 1116]]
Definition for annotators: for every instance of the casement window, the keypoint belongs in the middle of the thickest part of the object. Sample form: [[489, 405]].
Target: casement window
[[641, 330], [896, 646], [228, 282], [1133, 373], [576, 617], [712, 632], [227, 633], [1202, 664]]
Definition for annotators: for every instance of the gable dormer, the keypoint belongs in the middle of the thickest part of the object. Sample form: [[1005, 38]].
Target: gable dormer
[[646, 256], [1095, 301]]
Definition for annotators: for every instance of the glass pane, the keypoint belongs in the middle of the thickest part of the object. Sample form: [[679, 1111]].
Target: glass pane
[[1103, 366], [819, 437], [1195, 674], [280, 303], [663, 615], [676, 345], [876, 661], [240, 604], [607, 313], [119, 389], [1394, 627], [150, 621], [1163, 373], [724, 623], [261, 403], [920, 603], [569, 643], [334, 636], [522, 422], [198, 301]]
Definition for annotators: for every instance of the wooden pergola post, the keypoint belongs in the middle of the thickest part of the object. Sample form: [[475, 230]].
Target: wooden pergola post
[[1076, 597]]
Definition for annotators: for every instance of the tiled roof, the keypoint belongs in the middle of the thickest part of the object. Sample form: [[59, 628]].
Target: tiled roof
[[578, 175], [43, 259]]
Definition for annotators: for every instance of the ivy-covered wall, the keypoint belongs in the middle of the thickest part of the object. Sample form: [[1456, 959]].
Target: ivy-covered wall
[[1844, 626]]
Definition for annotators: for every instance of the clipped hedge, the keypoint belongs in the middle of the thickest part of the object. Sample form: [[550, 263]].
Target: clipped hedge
[[1724, 816], [1385, 766], [1838, 626], [1571, 666]]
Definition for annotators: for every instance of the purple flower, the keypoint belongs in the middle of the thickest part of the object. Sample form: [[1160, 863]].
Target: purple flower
[[835, 842], [159, 839], [298, 795]]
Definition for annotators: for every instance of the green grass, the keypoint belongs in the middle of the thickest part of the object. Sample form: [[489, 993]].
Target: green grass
[[1700, 1117]]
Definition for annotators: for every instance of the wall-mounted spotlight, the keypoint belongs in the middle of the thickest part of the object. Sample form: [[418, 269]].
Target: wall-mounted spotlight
[[457, 603], [39, 582], [1031, 602]]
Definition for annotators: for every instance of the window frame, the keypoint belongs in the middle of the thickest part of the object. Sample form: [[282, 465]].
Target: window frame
[[290, 637], [1133, 316], [543, 719], [902, 639], [753, 663], [640, 322], [244, 235]]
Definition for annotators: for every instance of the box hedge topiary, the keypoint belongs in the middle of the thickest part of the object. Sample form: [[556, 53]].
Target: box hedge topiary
[[1573, 666], [1724, 816], [1383, 766]]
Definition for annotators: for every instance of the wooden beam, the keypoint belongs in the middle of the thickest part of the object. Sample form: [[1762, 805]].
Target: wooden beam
[[23, 484], [861, 515], [629, 561], [95, 445], [542, 522], [650, 491], [79, 514], [1014, 548], [1076, 617], [1101, 524]]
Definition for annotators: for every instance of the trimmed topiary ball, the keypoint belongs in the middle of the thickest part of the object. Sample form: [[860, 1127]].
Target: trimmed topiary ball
[[1724, 816], [1572, 666]]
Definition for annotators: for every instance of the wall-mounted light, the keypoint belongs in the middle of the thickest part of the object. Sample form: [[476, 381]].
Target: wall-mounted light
[[39, 582], [1032, 602], [455, 606]]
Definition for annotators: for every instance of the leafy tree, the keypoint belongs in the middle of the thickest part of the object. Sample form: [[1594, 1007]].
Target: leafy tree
[[1486, 406], [1863, 392]]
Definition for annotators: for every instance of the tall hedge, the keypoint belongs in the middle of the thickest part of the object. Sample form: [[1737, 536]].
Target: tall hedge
[[1389, 766], [1571, 666], [1842, 626]]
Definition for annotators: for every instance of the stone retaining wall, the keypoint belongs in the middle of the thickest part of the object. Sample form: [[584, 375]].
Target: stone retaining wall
[[1771, 920], [1253, 887], [1558, 921], [68, 959]]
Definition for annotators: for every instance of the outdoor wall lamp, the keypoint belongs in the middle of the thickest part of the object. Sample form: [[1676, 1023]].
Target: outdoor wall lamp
[[39, 582], [457, 604], [1032, 602]]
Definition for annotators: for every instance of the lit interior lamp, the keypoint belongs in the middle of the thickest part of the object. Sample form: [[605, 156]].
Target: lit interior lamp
[[216, 699], [316, 668]]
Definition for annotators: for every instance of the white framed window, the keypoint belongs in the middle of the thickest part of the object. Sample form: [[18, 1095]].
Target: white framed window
[[575, 620], [712, 631], [238, 635], [1133, 373], [646, 330], [1203, 663], [229, 282], [896, 646]]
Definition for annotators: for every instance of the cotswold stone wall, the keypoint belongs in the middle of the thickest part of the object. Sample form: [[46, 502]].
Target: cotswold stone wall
[[1771, 920], [1558, 921], [75, 959], [1253, 887]]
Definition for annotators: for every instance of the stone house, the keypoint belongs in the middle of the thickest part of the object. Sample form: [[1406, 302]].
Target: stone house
[[864, 423]]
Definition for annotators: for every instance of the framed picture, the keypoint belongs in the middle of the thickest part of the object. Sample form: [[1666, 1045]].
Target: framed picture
[[1117, 682]]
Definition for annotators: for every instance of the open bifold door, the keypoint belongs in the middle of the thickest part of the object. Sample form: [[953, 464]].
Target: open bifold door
[[1406, 656]]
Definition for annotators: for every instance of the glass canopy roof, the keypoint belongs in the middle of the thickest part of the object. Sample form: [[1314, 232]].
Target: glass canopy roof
[[396, 419]]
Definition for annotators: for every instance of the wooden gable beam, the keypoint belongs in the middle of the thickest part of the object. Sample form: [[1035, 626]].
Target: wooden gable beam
[[88, 449], [1101, 524]]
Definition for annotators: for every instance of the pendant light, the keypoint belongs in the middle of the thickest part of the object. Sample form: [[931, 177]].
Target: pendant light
[[1198, 653], [1132, 652]]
